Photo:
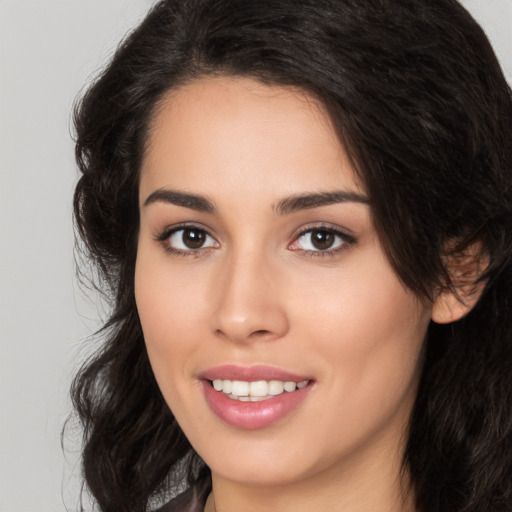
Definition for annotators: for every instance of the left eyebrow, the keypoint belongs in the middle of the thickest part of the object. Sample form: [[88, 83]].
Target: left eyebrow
[[307, 201]]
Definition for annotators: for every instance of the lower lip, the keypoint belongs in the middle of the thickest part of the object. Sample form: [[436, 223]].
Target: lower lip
[[253, 415]]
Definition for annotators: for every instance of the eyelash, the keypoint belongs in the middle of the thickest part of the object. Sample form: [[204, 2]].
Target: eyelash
[[164, 239], [346, 241]]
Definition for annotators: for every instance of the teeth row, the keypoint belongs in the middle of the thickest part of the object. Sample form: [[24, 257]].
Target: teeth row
[[256, 389]]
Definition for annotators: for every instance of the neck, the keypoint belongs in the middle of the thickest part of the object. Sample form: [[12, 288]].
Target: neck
[[378, 485]]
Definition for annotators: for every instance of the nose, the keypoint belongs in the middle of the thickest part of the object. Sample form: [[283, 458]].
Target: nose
[[247, 300]]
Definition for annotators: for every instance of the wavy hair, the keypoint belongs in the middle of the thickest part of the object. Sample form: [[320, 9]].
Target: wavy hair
[[420, 102]]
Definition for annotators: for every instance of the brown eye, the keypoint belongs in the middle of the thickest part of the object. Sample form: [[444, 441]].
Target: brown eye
[[322, 239], [190, 239], [193, 238]]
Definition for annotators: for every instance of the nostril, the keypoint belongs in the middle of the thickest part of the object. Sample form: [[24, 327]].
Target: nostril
[[260, 332]]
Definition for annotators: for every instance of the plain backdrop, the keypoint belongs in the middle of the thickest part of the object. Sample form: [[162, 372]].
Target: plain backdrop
[[48, 51]]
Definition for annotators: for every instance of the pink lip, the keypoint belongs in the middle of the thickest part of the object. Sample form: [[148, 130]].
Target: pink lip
[[252, 415]]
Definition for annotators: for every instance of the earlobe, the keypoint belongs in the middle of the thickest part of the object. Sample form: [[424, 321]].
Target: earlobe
[[449, 306], [465, 269]]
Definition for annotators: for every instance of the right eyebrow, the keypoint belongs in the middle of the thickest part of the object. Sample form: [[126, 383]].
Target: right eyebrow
[[192, 201]]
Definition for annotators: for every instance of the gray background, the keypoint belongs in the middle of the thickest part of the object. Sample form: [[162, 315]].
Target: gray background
[[48, 51]]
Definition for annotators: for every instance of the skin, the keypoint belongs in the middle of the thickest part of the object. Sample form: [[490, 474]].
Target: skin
[[259, 292]]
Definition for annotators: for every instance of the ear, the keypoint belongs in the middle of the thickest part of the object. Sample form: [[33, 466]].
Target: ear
[[465, 269]]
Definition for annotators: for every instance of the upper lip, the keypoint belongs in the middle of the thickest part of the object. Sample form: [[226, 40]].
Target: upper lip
[[251, 373]]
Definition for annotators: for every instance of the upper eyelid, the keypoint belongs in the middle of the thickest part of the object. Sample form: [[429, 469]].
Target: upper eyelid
[[164, 239], [345, 233], [164, 233], [347, 240]]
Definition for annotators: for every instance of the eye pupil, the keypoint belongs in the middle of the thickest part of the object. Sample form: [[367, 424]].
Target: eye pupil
[[322, 239], [193, 238]]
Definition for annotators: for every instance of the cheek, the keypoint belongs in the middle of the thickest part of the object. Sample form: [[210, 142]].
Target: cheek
[[371, 330], [164, 296], [360, 308], [165, 314]]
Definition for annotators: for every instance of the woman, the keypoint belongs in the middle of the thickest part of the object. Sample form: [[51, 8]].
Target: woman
[[302, 212]]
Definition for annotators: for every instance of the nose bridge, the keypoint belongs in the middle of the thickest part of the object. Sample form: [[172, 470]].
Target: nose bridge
[[247, 298]]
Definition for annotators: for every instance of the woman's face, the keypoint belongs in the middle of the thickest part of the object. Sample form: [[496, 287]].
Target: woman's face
[[259, 273]]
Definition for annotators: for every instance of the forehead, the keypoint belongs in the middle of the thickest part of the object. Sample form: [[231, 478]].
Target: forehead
[[242, 134]]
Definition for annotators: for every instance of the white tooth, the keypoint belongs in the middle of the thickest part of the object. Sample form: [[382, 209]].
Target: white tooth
[[258, 388], [240, 388], [244, 398], [302, 384], [275, 387], [256, 398], [217, 384], [226, 386], [290, 386]]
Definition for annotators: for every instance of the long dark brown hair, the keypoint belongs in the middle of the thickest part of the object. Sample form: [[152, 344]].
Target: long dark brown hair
[[420, 103]]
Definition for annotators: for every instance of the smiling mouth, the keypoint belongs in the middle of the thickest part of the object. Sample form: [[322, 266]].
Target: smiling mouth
[[253, 397], [255, 391]]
